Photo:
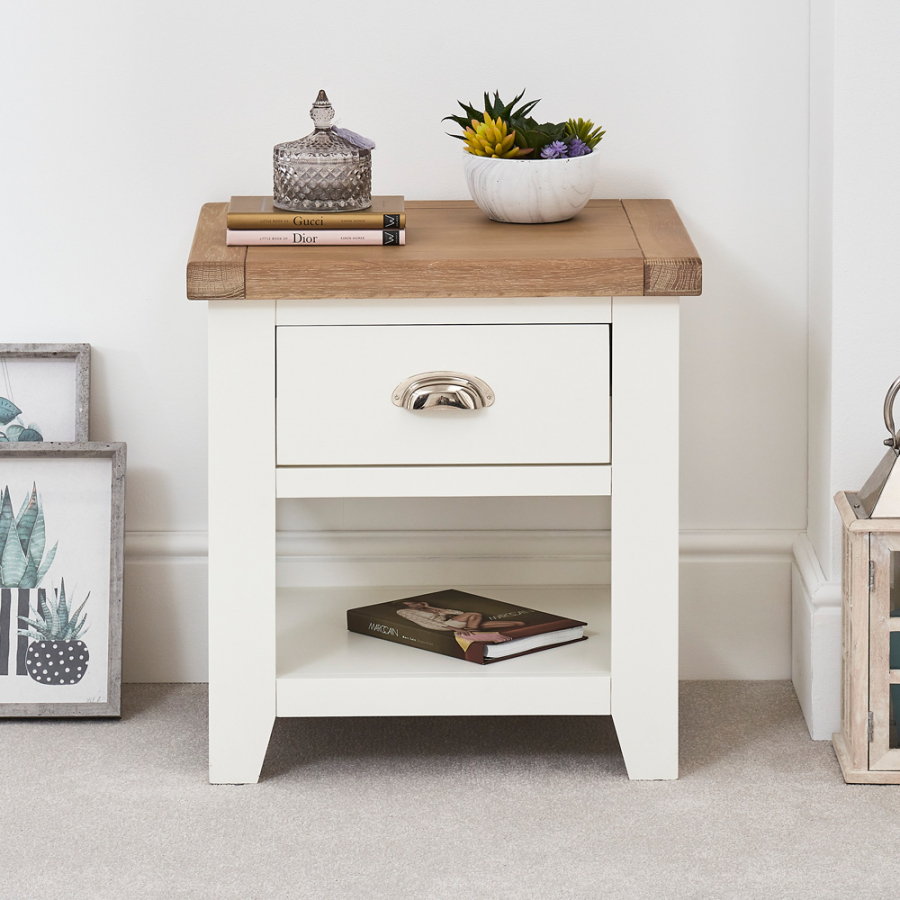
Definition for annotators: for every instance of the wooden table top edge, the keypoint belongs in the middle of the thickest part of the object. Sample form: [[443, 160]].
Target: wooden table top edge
[[671, 264]]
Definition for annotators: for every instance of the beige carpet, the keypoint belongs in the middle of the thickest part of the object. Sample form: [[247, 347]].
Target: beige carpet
[[440, 808]]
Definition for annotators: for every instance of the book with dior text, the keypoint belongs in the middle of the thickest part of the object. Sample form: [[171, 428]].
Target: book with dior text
[[467, 626], [326, 238], [260, 213]]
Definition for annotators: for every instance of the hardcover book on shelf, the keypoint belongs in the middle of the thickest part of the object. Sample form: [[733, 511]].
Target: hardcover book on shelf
[[467, 626], [332, 237], [252, 213]]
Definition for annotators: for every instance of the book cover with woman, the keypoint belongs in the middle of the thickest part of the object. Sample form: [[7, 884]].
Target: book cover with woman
[[467, 626]]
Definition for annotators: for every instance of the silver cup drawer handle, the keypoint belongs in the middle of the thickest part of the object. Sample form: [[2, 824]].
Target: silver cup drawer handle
[[442, 390]]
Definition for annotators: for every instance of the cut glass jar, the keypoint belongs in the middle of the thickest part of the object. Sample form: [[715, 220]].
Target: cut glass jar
[[330, 169]]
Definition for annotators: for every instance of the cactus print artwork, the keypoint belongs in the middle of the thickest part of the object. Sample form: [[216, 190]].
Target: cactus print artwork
[[53, 618]]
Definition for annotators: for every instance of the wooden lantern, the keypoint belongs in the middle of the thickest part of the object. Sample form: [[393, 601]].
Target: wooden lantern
[[868, 744]]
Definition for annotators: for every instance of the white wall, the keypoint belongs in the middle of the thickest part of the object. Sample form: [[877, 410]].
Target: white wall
[[119, 120], [866, 312], [853, 309], [854, 314], [822, 521]]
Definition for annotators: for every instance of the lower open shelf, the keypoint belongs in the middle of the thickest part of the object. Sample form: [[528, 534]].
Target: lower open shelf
[[325, 670]]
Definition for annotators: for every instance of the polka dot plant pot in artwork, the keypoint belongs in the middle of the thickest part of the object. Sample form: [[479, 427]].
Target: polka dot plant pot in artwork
[[57, 662], [55, 654]]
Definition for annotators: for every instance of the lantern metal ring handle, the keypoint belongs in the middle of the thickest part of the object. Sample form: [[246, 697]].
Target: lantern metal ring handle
[[894, 440]]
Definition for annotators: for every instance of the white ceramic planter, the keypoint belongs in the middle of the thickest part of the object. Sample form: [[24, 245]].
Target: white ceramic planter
[[530, 190]]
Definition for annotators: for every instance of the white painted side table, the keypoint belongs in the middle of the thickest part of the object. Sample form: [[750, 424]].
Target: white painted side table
[[574, 326]]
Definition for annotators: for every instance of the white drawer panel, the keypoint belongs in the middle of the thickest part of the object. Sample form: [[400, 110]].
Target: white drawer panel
[[335, 386]]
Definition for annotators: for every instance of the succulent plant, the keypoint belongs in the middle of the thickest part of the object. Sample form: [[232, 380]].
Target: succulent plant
[[53, 620], [578, 147], [55, 654], [555, 150], [529, 136], [495, 108], [537, 135], [585, 131], [22, 543], [492, 138]]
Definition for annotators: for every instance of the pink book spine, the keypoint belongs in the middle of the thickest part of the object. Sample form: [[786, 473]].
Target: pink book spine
[[323, 238]]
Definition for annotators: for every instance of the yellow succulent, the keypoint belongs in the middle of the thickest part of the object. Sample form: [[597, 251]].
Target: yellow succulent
[[492, 137]]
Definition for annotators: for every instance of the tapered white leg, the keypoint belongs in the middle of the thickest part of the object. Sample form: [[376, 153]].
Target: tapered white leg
[[645, 534], [241, 538]]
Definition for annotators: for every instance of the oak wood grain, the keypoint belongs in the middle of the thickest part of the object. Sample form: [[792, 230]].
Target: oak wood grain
[[672, 266], [214, 270], [454, 250]]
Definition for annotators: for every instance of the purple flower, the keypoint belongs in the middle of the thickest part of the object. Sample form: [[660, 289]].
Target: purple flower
[[556, 150], [578, 147]]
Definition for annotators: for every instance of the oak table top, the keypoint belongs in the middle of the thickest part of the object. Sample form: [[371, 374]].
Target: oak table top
[[611, 248]]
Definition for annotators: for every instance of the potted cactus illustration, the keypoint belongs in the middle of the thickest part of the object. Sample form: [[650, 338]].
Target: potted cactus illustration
[[56, 655], [23, 565]]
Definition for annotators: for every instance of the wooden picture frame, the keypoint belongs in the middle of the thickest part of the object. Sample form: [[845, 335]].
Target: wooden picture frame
[[68, 497], [55, 396]]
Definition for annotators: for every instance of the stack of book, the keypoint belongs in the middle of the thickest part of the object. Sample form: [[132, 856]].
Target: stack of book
[[257, 222]]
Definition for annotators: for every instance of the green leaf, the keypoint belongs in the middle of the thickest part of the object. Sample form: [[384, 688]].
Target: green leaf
[[13, 431], [13, 562], [3, 438], [536, 134], [507, 110], [43, 609], [585, 130], [73, 629], [26, 519], [36, 624], [38, 537], [34, 637], [24, 505], [6, 516], [8, 411], [62, 608], [29, 434], [45, 565], [43, 605], [495, 108], [29, 576]]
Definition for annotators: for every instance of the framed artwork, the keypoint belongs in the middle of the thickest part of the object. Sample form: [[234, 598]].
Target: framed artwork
[[62, 534], [45, 392]]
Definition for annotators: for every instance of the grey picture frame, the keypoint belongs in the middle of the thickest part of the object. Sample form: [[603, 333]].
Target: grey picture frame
[[115, 453], [81, 354]]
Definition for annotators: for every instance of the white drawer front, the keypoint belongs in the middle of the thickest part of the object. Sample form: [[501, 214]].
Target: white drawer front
[[335, 386]]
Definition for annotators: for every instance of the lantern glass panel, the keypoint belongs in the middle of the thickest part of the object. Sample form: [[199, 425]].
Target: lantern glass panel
[[894, 660]]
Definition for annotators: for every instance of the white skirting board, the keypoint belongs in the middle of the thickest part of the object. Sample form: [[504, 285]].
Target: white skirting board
[[735, 587], [816, 640]]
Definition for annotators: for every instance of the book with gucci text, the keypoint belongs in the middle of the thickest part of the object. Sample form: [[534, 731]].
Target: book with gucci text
[[260, 213]]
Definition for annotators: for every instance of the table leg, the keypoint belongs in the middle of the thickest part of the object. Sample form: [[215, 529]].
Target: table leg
[[645, 534], [241, 537]]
